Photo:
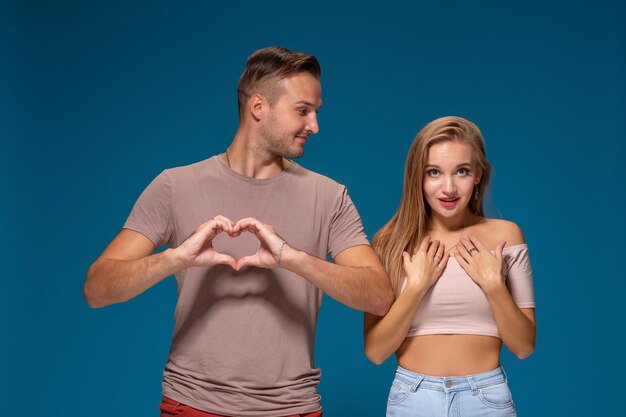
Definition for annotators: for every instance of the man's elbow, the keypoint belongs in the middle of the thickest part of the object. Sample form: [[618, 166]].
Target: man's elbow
[[90, 298], [90, 291]]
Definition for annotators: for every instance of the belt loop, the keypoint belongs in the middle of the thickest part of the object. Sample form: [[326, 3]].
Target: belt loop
[[470, 379], [417, 382], [506, 378]]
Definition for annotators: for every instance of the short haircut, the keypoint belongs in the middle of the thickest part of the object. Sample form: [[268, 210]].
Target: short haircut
[[267, 67]]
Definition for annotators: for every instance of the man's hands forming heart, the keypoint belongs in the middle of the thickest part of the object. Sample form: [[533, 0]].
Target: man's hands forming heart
[[272, 245], [197, 249]]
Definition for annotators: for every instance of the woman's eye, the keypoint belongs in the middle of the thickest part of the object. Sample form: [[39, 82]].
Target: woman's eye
[[432, 173], [463, 172]]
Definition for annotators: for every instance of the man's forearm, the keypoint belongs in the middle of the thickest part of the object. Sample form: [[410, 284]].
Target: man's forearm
[[365, 288], [111, 281]]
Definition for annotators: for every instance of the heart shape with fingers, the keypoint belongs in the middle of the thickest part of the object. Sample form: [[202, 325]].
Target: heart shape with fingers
[[198, 249]]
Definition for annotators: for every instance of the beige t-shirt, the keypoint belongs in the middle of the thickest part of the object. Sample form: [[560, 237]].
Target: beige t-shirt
[[243, 341]]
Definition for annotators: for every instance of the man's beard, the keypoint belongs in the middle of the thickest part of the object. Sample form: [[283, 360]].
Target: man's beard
[[278, 142]]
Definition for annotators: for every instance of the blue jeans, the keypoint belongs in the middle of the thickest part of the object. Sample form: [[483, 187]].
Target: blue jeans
[[416, 395]]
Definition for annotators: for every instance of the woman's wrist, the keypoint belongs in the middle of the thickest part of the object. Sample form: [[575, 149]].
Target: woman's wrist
[[415, 289], [494, 287]]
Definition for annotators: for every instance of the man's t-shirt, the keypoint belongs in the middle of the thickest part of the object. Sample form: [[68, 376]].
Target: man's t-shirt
[[243, 341]]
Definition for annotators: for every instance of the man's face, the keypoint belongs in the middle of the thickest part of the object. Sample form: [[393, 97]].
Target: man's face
[[293, 117]]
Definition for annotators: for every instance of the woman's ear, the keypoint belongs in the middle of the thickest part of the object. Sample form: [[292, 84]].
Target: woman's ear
[[479, 176]]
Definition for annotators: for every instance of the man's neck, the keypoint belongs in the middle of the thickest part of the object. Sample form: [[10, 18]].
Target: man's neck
[[246, 157]]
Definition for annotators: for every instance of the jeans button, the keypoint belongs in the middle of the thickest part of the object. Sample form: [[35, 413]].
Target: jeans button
[[448, 384]]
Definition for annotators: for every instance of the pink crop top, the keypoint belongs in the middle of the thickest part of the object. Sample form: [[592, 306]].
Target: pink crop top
[[455, 304]]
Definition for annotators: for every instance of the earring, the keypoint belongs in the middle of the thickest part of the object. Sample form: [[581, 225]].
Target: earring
[[475, 193]]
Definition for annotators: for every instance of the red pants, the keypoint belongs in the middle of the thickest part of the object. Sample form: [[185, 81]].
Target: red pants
[[171, 407]]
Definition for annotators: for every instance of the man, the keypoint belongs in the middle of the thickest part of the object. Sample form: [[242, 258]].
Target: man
[[245, 321]]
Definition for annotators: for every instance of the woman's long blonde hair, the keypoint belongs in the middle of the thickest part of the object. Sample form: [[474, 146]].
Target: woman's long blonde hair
[[408, 226]]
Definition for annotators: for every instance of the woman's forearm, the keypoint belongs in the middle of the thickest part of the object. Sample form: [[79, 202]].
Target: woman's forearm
[[516, 327], [384, 335]]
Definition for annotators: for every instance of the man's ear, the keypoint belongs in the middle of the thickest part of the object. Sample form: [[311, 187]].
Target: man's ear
[[256, 106]]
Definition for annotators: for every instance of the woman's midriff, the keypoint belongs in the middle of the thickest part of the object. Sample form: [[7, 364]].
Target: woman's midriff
[[449, 355]]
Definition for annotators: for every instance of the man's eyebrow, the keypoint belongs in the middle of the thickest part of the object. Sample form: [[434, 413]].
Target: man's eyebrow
[[308, 103]]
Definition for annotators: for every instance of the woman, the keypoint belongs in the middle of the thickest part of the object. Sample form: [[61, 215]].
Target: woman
[[463, 283]]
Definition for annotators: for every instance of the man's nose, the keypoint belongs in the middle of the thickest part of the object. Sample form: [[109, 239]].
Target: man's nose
[[313, 126]]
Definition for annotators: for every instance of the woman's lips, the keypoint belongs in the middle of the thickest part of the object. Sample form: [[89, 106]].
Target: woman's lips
[[448, 202]]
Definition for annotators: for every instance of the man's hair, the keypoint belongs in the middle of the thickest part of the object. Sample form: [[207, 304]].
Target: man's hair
[[267, 67]]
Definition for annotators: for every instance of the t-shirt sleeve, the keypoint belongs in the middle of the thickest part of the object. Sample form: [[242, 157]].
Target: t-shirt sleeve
[[346, 229], [152, 214], [520, 277]]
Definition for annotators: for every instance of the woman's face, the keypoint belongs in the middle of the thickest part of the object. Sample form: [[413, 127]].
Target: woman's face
[[450, 178]]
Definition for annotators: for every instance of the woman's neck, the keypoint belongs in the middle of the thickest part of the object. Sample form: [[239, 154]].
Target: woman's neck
[[440, 224]]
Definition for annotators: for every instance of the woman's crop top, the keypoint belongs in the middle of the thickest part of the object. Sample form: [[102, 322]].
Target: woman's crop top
[[455, 304]]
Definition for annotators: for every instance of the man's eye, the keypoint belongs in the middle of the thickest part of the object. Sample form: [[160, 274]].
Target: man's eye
[[303, 112]]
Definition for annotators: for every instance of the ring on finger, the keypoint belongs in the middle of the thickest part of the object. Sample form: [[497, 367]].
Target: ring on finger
[[472, 249]]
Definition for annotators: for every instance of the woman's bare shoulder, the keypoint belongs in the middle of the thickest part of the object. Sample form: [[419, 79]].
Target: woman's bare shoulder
[[498, 229]]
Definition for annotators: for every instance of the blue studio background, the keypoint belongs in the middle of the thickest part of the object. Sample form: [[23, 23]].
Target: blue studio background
[[97, 97]]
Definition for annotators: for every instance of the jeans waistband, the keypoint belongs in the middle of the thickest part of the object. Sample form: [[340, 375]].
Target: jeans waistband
[[450, 383]]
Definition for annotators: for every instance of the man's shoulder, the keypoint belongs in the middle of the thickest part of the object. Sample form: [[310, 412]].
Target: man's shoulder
[[312, 177], [193, 167], [192, 170]]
